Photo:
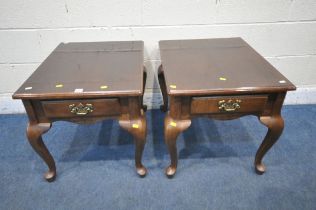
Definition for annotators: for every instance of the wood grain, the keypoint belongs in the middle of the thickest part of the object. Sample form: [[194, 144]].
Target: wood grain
[[116, 66], [200, 75]]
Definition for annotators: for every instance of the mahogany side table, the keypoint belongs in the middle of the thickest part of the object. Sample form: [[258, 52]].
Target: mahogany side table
[[222, 79], [85, 83]]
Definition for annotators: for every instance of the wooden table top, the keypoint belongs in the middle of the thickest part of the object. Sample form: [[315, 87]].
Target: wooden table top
[[217, 66], [88, 69]]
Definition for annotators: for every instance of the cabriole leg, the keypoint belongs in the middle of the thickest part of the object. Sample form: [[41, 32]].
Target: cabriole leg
[[34, 135], [275, 126], [172, 129]]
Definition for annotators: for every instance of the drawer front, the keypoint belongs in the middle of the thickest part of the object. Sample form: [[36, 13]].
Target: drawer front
[[228, 104], [76, 108]]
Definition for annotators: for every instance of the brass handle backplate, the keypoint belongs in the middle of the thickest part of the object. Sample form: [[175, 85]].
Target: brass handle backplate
[[81, 109], [229, 106]]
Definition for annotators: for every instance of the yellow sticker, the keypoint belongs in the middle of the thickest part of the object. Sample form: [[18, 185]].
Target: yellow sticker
[[174, 124], [135, 125], [173, 86], [103, 87], [222, 79], [59, 85]]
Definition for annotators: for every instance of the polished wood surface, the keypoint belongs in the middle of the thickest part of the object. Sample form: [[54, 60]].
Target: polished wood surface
[[110, 78], [217, 66], [222, 79], [98, 68]]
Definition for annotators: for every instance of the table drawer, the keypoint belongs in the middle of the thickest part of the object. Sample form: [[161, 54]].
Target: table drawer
[[73, 108], [228, 104]]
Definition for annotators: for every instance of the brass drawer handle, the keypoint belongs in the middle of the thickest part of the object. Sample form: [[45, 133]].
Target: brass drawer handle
[[81, 109], [229, 106]]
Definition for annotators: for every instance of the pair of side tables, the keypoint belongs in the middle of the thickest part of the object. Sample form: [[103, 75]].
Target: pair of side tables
[[218, 78]]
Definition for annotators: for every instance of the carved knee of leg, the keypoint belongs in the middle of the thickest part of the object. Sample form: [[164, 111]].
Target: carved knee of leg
[[274, 122], [174, 127], [136, 127], [34, 131]]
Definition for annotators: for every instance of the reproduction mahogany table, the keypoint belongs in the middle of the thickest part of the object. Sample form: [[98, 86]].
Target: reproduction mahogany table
[[85, 83], [222, 79]]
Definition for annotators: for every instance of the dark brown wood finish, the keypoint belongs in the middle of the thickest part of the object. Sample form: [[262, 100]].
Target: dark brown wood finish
[[222, 79], [85, 83]]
